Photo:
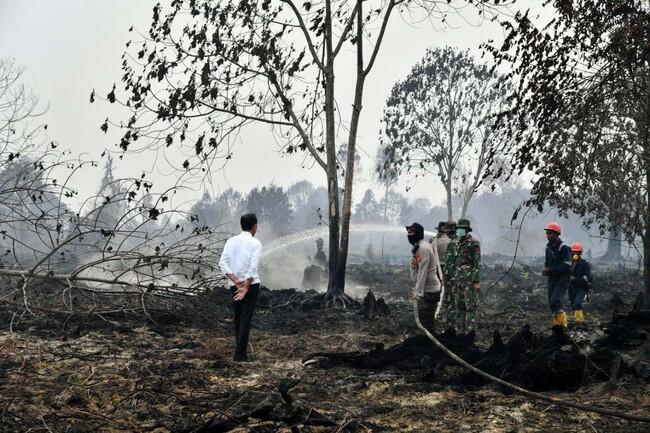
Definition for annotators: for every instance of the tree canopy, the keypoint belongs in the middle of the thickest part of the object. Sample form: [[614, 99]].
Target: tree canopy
[[580, 116], [441, 120]]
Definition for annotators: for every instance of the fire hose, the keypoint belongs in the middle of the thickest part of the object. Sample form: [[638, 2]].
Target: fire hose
[[518, 389]]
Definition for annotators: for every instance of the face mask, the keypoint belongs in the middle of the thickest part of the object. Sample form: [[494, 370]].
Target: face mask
[[576, 257], [461, 232], [413, 239]]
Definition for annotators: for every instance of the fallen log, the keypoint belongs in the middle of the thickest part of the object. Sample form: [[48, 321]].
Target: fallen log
[[540, 363], [414, 352]]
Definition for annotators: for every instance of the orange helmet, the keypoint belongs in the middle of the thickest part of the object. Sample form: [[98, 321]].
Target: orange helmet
[[576, 247], [553, 227]]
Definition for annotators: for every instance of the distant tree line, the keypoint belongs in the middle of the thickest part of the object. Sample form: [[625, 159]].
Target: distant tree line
[[297, 208]]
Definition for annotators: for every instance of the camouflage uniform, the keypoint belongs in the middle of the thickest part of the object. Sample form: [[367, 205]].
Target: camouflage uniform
[[462, 271]]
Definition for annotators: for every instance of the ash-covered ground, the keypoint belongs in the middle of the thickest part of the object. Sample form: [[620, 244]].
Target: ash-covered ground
[[123, 373]]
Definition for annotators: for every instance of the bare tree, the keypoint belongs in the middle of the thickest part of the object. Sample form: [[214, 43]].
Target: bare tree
[[17, 105], [115, 243], [126, 239], [207, 69], [441, 120]]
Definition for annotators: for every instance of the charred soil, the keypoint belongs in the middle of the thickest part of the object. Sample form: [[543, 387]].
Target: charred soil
[[326, 370]]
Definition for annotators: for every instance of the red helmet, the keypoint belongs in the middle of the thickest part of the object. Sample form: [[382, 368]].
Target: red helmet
[[576, 247], [554, 227]]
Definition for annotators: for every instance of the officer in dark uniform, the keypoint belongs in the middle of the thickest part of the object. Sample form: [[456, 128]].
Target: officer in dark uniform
[[580, 282], [557, 267]]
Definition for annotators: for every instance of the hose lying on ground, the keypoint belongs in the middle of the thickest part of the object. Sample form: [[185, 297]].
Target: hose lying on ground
[[527, 393]]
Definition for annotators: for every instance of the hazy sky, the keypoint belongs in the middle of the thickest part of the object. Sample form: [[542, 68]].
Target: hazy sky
[[69, 47]]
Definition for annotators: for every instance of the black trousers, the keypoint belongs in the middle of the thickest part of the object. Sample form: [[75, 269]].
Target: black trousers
[[427, 310], [244, 310]]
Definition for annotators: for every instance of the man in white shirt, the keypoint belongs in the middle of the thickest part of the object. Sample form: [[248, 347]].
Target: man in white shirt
[[239, 262]]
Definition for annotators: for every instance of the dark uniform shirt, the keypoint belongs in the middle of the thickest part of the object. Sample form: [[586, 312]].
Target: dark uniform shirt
[[581, 274], [558, 260]]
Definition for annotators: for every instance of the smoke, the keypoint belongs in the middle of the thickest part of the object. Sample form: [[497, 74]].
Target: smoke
[[284, 259]]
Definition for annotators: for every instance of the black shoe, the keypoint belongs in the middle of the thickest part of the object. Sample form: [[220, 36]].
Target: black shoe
[[240, 357]]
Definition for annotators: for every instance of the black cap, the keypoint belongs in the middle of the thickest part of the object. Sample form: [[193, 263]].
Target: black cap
[[416, 227], [450, 226], [442, 225]]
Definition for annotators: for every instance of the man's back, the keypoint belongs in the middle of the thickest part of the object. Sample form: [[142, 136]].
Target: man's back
[[442, 243], [241, 256]]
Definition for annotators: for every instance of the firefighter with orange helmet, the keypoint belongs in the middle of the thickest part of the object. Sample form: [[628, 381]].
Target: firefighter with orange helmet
[[557, 267], [580, 282]]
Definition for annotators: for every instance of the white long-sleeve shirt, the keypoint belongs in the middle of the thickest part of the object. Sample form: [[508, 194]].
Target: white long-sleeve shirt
[[241, 257]]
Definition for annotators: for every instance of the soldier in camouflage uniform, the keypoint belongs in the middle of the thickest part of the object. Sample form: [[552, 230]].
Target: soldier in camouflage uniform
[[442, 242], [462, 279]]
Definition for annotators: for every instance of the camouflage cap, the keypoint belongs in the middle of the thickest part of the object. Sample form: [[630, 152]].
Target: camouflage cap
[[464, 223]]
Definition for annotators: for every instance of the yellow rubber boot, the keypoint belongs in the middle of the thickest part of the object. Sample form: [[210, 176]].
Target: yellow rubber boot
[[561, 320], [580, 317]]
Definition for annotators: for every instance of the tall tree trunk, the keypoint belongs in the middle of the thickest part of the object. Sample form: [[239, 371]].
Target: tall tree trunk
[[478, 175], [644, 122], [646, 265], [333, 211], [341, 264], [614, 245], [646, 243], [466, 199], [463, 212], [330, 145], [450, 210], [451, 166]]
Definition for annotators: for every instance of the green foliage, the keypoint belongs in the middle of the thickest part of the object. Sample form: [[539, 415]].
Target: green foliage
[[271, 204], [441, 119], [580, 115], [368, 209], [208, 68]]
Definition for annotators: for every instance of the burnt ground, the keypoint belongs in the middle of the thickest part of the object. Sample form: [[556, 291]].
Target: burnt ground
[[123, 373]]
